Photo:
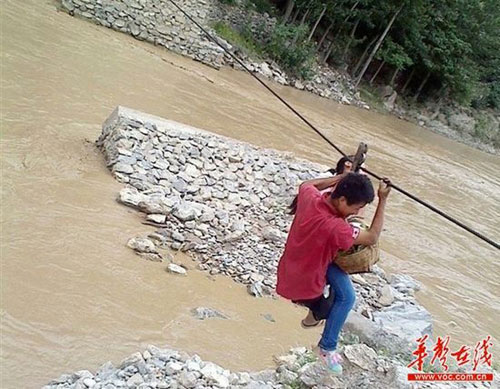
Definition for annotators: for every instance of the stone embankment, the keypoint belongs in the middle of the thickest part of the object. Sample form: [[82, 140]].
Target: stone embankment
[[224, 203], [161, 23]]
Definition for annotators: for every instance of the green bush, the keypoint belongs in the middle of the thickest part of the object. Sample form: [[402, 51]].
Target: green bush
[[493, 99], [487, 96], [486, 130], [288, 46], [261, 6], [229, 2], [243, 40]]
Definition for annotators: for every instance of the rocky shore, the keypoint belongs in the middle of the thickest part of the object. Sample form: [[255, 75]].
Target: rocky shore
[[160, 23], [224, 203], [165, 368]]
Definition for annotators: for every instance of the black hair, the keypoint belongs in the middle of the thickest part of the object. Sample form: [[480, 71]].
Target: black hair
[[293, 206], [356, 188], [339, 169]]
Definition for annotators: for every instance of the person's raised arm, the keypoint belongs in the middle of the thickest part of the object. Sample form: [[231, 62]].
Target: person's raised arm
[[370, 237], [323, 183]]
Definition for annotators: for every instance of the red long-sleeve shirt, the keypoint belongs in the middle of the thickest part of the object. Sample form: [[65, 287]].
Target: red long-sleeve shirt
[[317, 233]]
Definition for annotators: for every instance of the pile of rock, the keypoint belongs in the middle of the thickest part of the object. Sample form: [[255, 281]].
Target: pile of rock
[[164, 368], [220, 200], [158, 22], [475, 128], [161, 23], [332, 84], [225, 203]]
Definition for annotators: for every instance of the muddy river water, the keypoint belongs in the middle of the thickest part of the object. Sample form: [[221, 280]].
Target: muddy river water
[[73, 296]]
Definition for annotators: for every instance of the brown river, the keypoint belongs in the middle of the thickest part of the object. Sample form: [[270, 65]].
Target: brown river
[[73, 296]]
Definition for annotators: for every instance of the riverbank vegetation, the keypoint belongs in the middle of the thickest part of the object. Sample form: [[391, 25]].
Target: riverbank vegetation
[[286, 45], [429, 52]]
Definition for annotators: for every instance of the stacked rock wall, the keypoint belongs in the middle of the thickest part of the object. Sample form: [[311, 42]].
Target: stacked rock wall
[[161, 23], [225, 203]]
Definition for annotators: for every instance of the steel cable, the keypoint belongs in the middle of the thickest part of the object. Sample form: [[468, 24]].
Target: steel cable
[[397, 188]]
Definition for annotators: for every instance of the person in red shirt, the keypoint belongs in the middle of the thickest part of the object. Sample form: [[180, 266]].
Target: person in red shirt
[[319, 230]]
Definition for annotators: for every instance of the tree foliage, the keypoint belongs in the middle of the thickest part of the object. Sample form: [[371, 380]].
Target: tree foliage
[[447, 45], [289, 47]]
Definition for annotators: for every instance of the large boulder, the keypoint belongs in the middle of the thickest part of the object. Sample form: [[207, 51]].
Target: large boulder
[[375, 336], [361, 355], [462, 122], [142, 245], [390, 101], [385, 91], [406, 320], [316, 374]]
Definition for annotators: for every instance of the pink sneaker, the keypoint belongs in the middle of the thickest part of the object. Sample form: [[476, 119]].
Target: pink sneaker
[[332, 361]]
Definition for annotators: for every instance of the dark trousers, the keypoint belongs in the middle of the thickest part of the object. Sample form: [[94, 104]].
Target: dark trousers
[[319, 306]]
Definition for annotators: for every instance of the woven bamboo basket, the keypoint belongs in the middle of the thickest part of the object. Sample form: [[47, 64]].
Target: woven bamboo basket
[[358, 259]]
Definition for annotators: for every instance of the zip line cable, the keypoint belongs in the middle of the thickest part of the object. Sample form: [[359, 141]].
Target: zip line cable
[[438, 211], [397, 188]]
